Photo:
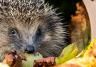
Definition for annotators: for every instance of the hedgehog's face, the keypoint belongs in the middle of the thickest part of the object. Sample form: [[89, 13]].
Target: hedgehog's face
[[22, 36]]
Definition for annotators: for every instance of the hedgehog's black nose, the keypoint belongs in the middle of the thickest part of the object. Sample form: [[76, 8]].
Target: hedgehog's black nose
[[29, 49]]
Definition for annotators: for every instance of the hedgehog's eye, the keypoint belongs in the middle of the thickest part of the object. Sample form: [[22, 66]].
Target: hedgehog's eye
[[12, 32], [39, 32], [39, 35]]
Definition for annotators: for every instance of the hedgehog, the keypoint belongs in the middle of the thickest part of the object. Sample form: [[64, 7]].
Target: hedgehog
[[29, 26]]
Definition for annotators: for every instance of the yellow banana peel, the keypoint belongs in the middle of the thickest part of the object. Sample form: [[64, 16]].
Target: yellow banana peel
[[87, 60]]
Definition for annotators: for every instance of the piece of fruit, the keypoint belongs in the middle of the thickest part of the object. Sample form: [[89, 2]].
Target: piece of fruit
[[68, 53], [30, 58]]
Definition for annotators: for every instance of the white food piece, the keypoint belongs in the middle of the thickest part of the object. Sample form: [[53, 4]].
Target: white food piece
[[3, 65]]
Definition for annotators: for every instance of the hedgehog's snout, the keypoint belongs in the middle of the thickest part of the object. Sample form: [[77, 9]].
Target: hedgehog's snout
[[29, 49]]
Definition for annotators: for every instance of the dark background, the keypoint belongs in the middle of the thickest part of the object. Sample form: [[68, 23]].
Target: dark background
[[66, 8]]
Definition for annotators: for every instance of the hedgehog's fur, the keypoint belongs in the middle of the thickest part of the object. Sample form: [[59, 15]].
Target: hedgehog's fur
[[35, 23]]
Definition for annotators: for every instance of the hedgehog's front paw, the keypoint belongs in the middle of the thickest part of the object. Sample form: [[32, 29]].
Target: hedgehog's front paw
[[12, 59], [45, 62]]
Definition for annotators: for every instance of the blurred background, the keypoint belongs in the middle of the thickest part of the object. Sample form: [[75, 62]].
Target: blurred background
[[75, 20]]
